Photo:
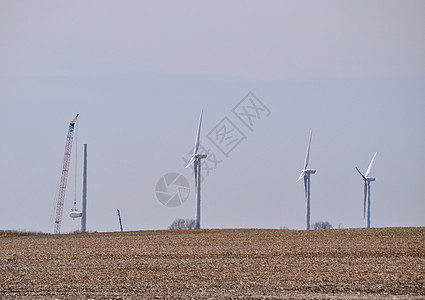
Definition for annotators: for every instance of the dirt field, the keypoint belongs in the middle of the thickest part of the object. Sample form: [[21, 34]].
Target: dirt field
[[272, 264]]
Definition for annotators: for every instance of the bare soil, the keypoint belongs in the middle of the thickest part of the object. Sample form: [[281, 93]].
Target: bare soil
[[243, 264]]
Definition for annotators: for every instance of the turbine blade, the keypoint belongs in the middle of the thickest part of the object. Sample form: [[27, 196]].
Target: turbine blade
[[364, 178], [190, 162], [364, 202], [301, 176], [370, 165], [307, 155], [305, 187], [195, 149]]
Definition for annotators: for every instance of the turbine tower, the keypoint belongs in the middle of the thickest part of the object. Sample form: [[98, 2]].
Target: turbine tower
[[196, 161], [305, 173], [367, 181], [84, 200]]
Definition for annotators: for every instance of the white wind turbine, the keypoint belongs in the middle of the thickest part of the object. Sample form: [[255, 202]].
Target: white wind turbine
[[367, 181], [196, 161], [306, 174]]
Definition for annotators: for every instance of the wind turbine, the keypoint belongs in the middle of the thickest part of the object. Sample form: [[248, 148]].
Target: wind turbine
[[305, 173], [196, 161], [367, 181]]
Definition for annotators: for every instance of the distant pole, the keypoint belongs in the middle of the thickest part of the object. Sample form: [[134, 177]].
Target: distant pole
[[84, 208], [119, 218]]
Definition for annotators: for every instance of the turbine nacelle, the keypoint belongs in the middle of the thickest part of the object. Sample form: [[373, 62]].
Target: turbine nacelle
[[75, 213], [305, 172], [364, 177], [195, 157]]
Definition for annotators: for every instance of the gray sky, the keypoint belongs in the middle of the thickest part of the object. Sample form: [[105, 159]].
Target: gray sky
[[138, 73]]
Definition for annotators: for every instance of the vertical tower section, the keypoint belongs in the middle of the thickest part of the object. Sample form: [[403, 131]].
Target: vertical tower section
[[198, 194], [60, 195], [307, 227], [84, 208]]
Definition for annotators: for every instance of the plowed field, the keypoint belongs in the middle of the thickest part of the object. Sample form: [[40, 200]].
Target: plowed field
[[216, 264]]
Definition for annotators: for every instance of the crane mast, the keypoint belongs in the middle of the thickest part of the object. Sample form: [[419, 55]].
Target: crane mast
[[60, 195]]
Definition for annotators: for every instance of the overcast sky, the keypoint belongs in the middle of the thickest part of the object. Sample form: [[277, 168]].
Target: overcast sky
[[139, 73]]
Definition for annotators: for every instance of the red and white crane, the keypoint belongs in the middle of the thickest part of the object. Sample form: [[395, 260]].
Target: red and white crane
[[60, 194]]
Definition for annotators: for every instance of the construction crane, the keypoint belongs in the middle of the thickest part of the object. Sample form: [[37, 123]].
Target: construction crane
[[60, 194]]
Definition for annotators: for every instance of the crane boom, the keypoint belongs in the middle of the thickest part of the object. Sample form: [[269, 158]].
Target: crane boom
[[60, 196]]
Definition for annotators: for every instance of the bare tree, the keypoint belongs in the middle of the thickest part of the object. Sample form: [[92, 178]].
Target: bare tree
[[322, 225], [182, 224]]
